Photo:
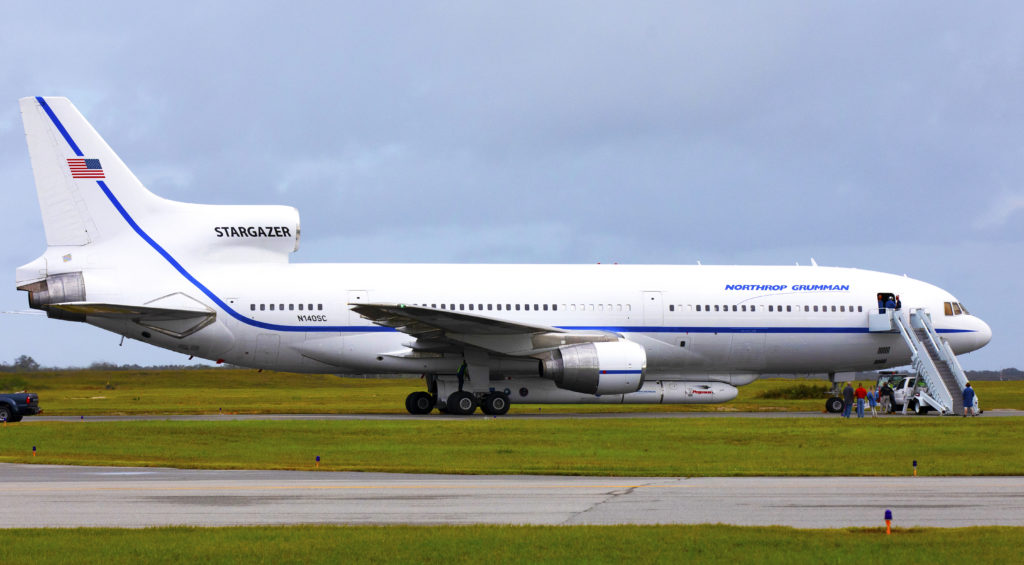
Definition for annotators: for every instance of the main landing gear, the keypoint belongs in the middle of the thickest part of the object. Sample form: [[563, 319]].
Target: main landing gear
[[459, 403]]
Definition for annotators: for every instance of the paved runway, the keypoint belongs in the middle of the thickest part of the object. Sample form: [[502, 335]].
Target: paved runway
[[58, 496], [434, 417]]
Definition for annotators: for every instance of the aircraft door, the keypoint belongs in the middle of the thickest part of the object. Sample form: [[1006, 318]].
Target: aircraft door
[[747, 351], [267, 347], [654, 313]]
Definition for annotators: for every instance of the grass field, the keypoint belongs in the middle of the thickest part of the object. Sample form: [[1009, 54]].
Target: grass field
[[516, 544], [206, 391], [624, 447]]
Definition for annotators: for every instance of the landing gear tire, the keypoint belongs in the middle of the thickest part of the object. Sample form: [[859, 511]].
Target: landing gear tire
[[495, 404], [917, 408], [834, 405], [419, 402], [461, 403]]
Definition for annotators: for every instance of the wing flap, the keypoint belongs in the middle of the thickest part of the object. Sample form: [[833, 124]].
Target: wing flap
[[437, 330]]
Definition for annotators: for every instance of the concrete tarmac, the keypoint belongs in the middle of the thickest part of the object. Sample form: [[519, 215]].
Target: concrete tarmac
[[59, 496]]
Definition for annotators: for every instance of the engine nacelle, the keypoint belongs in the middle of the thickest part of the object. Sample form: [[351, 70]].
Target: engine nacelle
[[615, 367]]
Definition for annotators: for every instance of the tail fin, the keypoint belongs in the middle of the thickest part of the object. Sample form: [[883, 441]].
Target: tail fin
[[88, 197], [69, 159]]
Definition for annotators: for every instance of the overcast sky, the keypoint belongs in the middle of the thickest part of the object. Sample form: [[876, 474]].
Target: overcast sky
[[884, 136]]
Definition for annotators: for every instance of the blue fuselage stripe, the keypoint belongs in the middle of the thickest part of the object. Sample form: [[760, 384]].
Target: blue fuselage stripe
[[366, 329], [60, 126]]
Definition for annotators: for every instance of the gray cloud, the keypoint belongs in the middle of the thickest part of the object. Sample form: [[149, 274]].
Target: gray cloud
[[870, 134]]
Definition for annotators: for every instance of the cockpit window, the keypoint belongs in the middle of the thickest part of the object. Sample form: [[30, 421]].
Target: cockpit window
[[964, 308], [948, 308], [956, 309]]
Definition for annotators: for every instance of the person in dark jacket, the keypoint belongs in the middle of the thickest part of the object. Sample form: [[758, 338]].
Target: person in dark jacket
[[847, 400], [899, 303], [968, 400], [881, 304], [888, 398]]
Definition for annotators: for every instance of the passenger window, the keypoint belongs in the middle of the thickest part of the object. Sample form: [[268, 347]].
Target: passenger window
[[733, 307], [947, 307], [470, 306], [490, 307], [271, 307], [291, 307], [770, 308], [300, 307], [815, 308], [545, 307], [789, 308], [618, 307], [263, 307], [319, 306], [671, 307], [698, 307], [842, 308], [310, 308], [252, 307], [716, 307], [743, 308], [555, 307], [628, 307], [517, 307], [534, 307], [572, 307], [860, 308], [442, 307], [833, 308], [508, 306]]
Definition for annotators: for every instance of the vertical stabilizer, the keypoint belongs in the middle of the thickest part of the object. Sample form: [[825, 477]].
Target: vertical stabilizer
[[72, 165]]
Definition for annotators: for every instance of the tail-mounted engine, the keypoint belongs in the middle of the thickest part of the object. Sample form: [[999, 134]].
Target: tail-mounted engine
[[616, 367], [56, 289]]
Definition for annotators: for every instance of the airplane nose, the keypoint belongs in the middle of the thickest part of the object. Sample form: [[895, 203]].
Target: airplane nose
[[983, 335]]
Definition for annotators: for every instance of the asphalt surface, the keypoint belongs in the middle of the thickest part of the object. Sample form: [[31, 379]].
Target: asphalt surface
[[59, 496], [432, 417]]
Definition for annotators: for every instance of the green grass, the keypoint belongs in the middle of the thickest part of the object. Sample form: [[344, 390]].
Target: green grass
[[624, 447], [511, 544], [206, 391]]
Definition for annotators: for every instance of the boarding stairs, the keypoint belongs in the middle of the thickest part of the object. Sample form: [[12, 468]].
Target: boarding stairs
[[934, 361]]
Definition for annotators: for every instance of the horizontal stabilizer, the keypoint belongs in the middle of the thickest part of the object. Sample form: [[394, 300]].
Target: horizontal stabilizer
[[171, 321]]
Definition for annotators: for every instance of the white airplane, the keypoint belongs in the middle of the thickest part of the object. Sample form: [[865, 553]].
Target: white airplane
[[215, 282]]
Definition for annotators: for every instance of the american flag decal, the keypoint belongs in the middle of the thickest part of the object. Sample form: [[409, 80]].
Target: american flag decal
[[85, 168]]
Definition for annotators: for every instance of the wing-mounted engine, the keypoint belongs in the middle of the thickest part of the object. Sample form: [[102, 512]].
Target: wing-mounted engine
[[616, 367]]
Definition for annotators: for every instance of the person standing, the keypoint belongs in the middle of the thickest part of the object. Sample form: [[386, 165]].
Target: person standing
[[847, 400], [885, 397], [873, 401], [861, 393], [968, 400], [899, 303]]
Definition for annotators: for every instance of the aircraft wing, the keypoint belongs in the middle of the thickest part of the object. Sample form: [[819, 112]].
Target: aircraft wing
[[444, 329]]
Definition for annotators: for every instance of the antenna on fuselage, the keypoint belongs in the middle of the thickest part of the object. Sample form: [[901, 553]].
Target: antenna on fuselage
[[813, 262]]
